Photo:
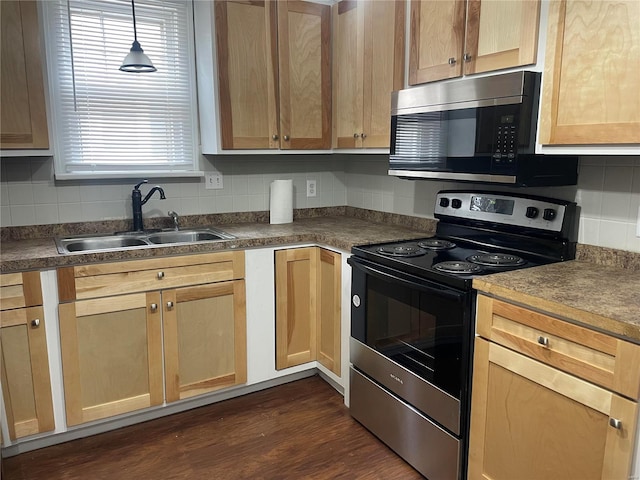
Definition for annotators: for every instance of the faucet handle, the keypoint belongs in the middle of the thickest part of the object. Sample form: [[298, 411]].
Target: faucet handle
[[174, 216], [138, 185]]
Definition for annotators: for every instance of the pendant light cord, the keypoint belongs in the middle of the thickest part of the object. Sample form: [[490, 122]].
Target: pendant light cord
[[133, 11]]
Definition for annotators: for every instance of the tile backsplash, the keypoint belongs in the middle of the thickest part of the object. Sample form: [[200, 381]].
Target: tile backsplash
[[608, 192]]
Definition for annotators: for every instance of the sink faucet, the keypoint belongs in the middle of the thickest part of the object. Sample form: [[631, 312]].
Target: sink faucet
[[138, 202], [176, 221]]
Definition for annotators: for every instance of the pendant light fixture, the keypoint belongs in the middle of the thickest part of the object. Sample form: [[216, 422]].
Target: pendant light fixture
[[136, 61]]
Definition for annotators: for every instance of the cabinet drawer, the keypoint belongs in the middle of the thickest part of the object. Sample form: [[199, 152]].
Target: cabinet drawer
[[593, 356], [20, 290], [99, 280]]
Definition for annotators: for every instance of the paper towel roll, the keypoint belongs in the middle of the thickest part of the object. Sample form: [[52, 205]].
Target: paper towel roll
[[281, 202]]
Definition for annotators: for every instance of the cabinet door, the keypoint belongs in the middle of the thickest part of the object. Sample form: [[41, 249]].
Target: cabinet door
[[591, 89], [348, 70], [383, 68], [26, 386], [23, 115], [501, 34], [304, 53], [529, 420], [328, 315], [111, 355], [205, 340], [296, 287], [437, 39], [247, 73]]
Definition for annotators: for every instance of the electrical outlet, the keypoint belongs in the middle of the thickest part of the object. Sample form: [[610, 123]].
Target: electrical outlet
[[311, 188], [213, 181]]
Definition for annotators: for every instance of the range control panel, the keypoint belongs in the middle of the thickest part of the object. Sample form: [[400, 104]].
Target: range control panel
[[531, 212]]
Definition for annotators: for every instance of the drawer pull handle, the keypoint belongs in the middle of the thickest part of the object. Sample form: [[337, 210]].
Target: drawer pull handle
[[154, 307], [544, 341], [169, 305], [615, 423], [35, 323], [160, 275]]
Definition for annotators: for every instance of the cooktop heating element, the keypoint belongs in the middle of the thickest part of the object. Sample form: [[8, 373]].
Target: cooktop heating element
[[436, 244], [496, 260], [466, 268], [397, 250]]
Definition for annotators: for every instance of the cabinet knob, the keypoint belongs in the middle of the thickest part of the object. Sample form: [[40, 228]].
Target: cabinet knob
[[356, 135], [153, 307], [160, 275], [363, 135], [35, 323], [544, 341], [274, 137], [452, 61], [615, 423], [286, 138], [169, 305], [466, 57]]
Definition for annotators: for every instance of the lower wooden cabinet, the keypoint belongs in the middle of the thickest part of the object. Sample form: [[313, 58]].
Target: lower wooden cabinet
[[122, 353], [26, 385], [111, 355], [531, 419], [308, 290], [205, 338]]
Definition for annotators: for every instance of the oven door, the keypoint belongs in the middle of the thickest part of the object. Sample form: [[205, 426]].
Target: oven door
[[413, 337]]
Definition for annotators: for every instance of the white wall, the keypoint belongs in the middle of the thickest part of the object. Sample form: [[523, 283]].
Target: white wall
[[608, 192]]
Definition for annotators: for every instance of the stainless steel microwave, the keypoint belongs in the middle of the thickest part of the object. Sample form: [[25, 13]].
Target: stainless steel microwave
[[475, 129]]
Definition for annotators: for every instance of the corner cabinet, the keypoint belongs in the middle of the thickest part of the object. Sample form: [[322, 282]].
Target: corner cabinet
[[450, 38], [273, 64], [308, 299], [591, 92], [26, 384], [23, 123], [550, 399], [115, 319], [368, 64]]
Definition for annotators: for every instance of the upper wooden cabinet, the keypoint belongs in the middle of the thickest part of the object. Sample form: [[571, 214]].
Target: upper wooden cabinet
[[23, 122], [453, 37], [591, 92], [368, 64], [274, 74]]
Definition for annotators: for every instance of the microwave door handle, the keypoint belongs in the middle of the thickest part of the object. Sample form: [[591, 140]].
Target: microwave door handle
[[443, 292]]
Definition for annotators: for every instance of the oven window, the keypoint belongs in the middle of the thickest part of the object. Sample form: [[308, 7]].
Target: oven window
[[422, 332]]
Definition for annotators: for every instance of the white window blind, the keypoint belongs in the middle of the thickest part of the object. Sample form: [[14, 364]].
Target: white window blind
[[113, 123]]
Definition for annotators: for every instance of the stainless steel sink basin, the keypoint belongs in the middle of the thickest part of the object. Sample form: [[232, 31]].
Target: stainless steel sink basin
[[188, 236], [102, 243], [127, 240]]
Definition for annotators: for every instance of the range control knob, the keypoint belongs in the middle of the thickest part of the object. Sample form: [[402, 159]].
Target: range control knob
[[532, 212], [456, 203], [549, 214], [444, 202]]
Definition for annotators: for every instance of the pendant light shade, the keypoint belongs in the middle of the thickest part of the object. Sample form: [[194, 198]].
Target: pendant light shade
[[136, 61]]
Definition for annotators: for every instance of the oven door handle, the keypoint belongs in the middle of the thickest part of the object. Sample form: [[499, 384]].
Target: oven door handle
[[433, 289]]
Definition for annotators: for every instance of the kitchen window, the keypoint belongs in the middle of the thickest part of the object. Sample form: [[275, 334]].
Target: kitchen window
[[109, 123]]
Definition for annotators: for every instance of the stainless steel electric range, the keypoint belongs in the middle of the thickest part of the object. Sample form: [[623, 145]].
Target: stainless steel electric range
[[413, 311]]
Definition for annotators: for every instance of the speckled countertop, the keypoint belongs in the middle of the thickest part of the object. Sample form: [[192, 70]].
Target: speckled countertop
[[595, 290], [339, 231], [602, 297]]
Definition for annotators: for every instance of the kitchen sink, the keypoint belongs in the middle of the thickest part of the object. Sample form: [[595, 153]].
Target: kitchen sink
[[127, 240], [188, 236]]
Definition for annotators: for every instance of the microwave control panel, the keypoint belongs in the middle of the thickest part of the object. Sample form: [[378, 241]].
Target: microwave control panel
[[506, 140]]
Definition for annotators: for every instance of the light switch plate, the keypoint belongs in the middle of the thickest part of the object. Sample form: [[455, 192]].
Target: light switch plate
[[213, 181]]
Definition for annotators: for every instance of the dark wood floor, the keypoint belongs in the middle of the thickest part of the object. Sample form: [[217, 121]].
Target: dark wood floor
[[300, 430]]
